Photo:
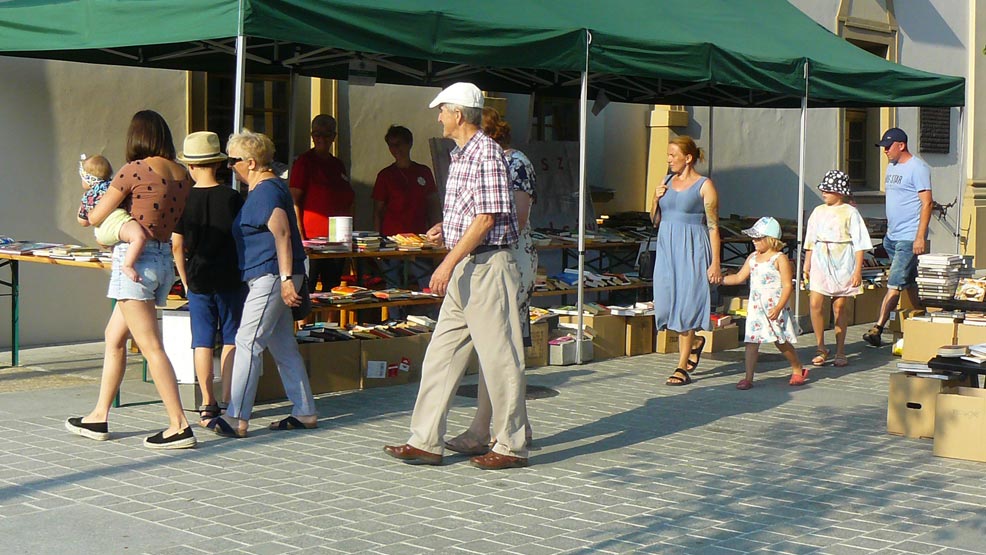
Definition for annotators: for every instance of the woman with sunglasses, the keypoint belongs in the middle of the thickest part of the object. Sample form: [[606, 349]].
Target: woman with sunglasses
[[272, 263]]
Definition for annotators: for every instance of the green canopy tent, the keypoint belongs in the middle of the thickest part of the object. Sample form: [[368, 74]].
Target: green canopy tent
[[737, 53]]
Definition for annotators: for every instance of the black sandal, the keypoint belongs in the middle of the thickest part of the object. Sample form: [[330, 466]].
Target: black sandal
[[697, 351], [208, 412], [676, 379]]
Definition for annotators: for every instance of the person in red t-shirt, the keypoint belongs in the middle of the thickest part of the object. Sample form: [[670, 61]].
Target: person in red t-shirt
[[404, 195], [320, 188], [405, 200]]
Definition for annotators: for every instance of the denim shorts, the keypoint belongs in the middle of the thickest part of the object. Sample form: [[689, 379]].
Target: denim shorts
[[903, 263], [211, 312], [156, 269]]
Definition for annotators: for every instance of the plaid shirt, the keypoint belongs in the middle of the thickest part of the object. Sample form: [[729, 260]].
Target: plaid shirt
[[478, 184]]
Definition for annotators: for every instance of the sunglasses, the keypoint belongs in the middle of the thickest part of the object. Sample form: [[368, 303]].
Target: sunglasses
[[230, 161]]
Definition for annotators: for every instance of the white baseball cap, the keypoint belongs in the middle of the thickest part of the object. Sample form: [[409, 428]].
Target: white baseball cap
[[463, 94], [765, 227]]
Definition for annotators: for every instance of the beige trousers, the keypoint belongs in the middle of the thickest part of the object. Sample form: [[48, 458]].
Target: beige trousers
[[480, 311]]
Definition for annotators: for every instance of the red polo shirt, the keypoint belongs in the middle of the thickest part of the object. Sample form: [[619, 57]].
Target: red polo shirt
[[325, 191], [405, 193]]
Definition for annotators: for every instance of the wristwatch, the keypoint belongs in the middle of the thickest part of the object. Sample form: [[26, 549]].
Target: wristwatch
[[285, 278]]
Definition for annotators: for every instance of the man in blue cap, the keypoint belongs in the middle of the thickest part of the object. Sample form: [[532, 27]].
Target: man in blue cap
[[908, 193]]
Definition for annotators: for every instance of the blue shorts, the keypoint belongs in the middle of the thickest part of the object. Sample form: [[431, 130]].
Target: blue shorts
[[212, 312], [156, 269], [903, 263]]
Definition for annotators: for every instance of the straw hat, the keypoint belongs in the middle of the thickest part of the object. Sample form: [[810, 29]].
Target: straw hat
[[201, 147]]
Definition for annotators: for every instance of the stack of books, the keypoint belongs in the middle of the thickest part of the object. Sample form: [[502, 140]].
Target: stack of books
[[636, 309], [24, 247], [393, 294], [939, 275], [365, 241], [322, 244], [977, 353], [975, 319]]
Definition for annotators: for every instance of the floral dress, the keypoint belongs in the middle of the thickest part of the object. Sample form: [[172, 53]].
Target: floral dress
[[833, 235], [522, 178], [765, 293]]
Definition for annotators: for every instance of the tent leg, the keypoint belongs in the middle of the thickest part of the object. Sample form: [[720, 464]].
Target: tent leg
[[801, 197], [240, 83], [962, 181], [583, 106]]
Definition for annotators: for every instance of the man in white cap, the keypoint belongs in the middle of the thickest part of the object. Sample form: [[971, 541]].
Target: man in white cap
[[908, 191], [479, 279]]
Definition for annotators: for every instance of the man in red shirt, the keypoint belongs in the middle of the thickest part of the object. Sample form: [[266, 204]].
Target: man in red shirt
[[320, 188]]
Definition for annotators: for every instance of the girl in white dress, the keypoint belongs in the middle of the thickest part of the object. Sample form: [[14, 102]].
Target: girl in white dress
[[834, 244], [768, 318]]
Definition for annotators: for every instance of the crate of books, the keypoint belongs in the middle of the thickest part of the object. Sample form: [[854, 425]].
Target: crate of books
[[939, 275]]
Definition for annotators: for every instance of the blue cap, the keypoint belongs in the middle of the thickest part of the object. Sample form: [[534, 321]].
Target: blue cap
[[891, 136], [765, 227]]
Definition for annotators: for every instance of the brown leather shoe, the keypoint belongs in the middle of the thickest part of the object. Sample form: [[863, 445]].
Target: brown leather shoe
[[412, 455], [496, 461]]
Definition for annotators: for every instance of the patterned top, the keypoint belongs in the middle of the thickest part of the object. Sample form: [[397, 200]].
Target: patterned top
[[156, 202], [478, 184], [91, 197], [522, 177]]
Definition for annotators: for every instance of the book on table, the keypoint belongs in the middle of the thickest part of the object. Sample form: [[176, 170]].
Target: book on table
[[25, 247]]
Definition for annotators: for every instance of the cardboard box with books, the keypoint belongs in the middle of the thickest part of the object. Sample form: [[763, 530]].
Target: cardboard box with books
[[640, 335], [393, 361], [609, 333], [537, 353]]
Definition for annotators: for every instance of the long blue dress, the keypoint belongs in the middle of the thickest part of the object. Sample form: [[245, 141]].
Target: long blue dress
[[681, 262]]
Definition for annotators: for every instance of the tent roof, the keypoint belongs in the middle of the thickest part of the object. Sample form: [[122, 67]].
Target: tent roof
[[693, 52]]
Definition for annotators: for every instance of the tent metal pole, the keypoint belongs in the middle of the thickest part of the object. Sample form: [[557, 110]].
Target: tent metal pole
[[583, 106], [240, 80], [801, 196], [962, 181]]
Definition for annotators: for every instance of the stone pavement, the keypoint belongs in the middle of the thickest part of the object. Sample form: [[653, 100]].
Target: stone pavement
[[624, 464]]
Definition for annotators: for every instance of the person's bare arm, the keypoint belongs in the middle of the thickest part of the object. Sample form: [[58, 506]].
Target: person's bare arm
[[280, 228], [787, 287], [655, 210], [711, 200], [739, 277], [178, 253], [379, 207], [920, 241], [111, 200], [857, 273], [523, 203], [297, 195]]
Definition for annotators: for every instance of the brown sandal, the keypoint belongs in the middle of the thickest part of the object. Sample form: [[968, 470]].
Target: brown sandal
[[821, 357]]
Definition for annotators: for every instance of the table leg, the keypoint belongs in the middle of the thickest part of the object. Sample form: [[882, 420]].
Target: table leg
[[15, 313]]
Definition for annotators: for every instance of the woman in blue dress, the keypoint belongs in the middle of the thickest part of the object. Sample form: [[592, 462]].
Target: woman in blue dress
[[686, 212]]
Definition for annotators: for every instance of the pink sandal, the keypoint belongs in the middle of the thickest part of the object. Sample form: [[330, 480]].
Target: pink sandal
[[744, 384], [799, 379]]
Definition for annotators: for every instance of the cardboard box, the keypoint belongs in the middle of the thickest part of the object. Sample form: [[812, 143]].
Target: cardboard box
[[968, 334], [565, 353], [640, 335], [610, 334], [269, 387], [666, 342], [960, 424], [720, 339], [898, 316], [395, 361], [332, 366], [922, 339], [537, 353], [867, 305], [911, 404]]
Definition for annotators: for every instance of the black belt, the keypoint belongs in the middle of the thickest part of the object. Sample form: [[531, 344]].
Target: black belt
[[488, 248]]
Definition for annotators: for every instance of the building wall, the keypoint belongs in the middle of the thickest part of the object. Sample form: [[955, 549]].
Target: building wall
[[52, 112]]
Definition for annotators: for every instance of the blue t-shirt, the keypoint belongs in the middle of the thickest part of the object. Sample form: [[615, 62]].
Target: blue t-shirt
[[255, 250], [904, 182]]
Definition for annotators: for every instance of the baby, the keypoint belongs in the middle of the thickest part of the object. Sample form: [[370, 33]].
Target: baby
[[95, 172]]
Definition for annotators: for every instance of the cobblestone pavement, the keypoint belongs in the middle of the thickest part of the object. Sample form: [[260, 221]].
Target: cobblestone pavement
[[624, 464]]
